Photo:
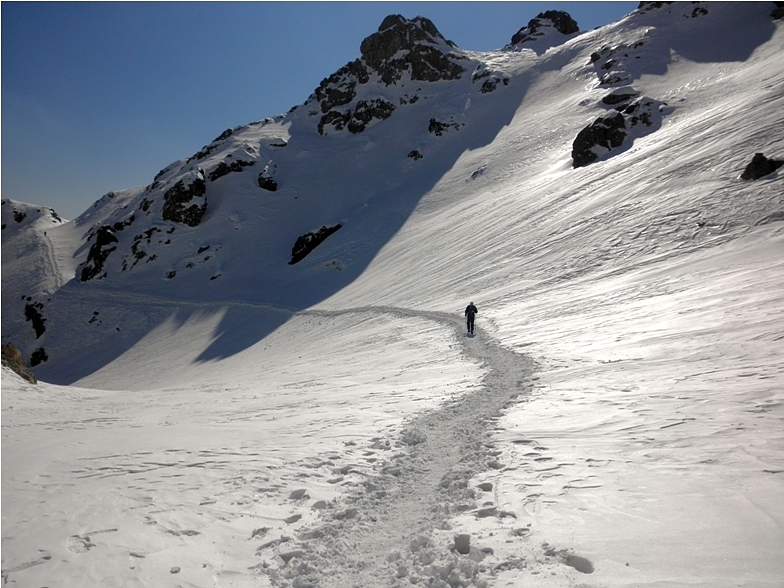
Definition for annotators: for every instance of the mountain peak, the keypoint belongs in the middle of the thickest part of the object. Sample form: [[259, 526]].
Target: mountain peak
[[400, 50], [545, 23], [415, 46]]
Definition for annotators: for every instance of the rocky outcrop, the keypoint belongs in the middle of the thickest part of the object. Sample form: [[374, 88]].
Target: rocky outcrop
[[696, 7], [778, 12], [12, 359], [224, 169], [309, 241], [438, 127], [186, 204], [33, 315], [759, 167], [610, 132], [611, 62], [538, 27], [400, 49], [266, 181], [367, 111], [412, 46], [604, 134], [105, 243], [489, 79], [38, 357]]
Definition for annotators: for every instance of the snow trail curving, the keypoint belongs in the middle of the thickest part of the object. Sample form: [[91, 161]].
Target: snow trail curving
[[384, 533]]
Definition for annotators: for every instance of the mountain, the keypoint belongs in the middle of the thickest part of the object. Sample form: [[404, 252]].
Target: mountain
[[290, 293]]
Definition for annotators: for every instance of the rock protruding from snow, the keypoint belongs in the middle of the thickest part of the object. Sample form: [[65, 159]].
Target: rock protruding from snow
[[609, 133], [544, 25], [266, 180], [309, 241], [414, 46], [760, 166], [186, 204], [105, 243], [399, 51]]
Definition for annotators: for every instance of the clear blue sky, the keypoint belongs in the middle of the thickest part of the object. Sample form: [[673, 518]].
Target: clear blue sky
[[99, 96]]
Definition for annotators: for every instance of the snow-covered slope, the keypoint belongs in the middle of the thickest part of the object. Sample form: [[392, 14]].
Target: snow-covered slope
[[632, 269]]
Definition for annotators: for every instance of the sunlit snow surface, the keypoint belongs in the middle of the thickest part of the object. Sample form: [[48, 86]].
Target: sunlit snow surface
[[648, 289]]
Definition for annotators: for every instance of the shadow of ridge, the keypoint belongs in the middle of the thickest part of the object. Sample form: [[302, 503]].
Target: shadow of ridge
[[370, 230], [84, 350], [734, 39], [79, 351]]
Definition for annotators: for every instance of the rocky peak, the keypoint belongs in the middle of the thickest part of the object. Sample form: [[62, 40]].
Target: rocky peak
[[544, 22], [409, 45], [400, 48]]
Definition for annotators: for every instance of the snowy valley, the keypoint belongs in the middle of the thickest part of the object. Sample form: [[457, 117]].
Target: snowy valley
[[254, 370]]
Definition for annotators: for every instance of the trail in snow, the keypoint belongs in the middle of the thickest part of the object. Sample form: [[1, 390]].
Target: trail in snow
[[394, 528]]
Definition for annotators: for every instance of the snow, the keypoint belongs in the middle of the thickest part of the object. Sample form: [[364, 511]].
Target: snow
[[617, 421]]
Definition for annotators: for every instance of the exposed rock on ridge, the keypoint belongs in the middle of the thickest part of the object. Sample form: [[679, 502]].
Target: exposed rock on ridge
[[400, 49], [537, 27], [186, 204]]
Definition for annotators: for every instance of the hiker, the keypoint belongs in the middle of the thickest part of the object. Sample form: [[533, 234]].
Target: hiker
[[470, 313]]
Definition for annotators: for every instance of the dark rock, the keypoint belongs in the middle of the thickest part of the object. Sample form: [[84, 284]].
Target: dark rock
[[610, 132], [38, 357], [223, 169], [267, 183], [559, 20], [99, 253], [778, 12], [438, 128], [368, 110], [266, 180], [606, 131], [759, 167], [415, 155], [309, 241], [648, 6], [138, 253], [177, 199], [120, 225], [340, 88], [335, 118], [19, 216], [402, 45], [33, 314], [12, 359]]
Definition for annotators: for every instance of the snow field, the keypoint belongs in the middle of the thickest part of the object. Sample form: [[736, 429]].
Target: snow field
[[138, 483], [352, 442]]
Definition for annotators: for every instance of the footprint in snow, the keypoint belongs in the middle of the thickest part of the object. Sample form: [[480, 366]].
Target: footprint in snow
[[79, 543]]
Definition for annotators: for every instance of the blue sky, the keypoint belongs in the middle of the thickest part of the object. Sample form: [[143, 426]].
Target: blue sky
[[99, 96]]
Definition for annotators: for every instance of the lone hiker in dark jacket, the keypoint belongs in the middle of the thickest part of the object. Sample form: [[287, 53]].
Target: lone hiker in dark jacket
[[470, 313]]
